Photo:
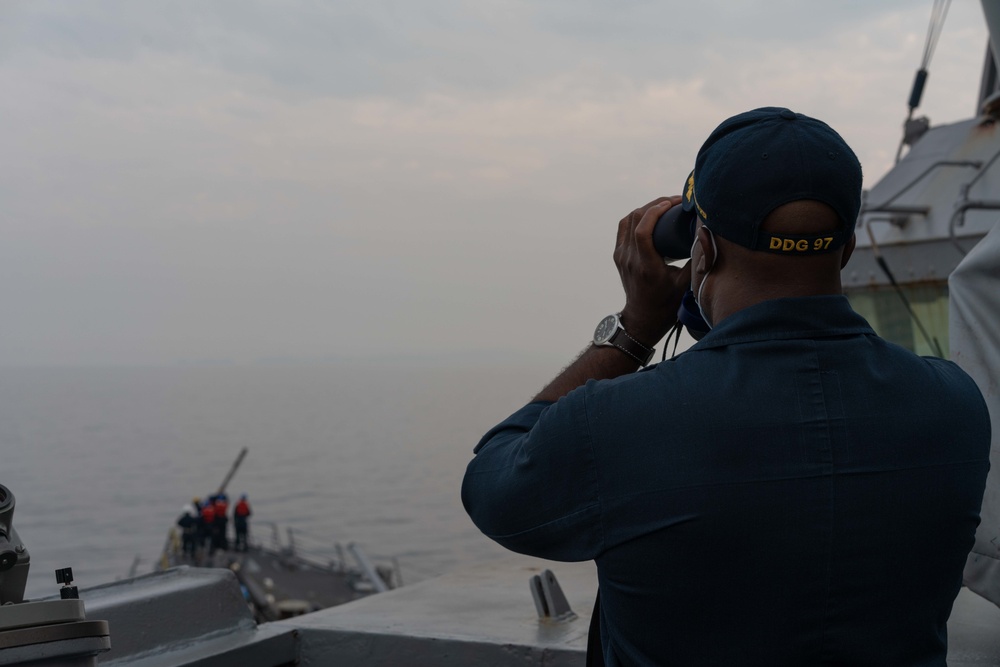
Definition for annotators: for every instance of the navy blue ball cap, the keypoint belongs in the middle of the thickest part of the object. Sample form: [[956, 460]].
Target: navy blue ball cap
[[759, 160]]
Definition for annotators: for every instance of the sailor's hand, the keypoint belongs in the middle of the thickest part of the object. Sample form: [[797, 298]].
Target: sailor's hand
[[653, 289]]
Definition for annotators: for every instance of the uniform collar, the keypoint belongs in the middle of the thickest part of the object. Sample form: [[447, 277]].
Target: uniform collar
[[786, 319]]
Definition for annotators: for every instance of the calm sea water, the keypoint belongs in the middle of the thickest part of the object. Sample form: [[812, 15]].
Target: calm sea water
[[101, 460]]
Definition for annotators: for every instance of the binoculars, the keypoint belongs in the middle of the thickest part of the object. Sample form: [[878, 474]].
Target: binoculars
[[673, 234], [673, 237]]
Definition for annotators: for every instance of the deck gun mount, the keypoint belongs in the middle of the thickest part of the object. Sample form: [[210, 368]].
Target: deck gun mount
[[46, 633]]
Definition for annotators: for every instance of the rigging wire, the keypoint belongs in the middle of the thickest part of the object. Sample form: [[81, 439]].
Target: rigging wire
[[932, 342], [938, 13]]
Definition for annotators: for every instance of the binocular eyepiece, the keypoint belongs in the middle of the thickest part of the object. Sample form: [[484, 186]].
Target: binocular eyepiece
[[673, 234]]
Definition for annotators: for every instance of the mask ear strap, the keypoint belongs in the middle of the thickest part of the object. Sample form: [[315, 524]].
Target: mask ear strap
[[715, 248], [701, 287]]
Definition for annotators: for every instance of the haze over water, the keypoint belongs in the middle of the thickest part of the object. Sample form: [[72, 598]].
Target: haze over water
[[101, 460], [304, 180]]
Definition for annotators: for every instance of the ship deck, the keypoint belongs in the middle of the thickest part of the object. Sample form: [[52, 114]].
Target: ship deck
[[484, 616]]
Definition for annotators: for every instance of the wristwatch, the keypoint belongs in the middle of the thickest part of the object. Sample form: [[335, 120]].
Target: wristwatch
[[610, 332]]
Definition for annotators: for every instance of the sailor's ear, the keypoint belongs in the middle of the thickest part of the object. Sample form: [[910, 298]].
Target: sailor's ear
[[707, 258], [848, 250]]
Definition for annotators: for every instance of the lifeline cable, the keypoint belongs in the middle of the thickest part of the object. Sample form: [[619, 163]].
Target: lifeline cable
[[931, 342]]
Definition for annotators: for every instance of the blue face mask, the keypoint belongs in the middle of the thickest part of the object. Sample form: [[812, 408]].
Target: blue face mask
[[688, 315]]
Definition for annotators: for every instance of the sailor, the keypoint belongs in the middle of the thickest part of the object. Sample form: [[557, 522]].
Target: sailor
[[793, 489], [208, 538], [241, 516], [188, 522], [221, 522]]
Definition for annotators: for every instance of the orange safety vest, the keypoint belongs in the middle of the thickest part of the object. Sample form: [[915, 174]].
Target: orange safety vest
[[242, 509]]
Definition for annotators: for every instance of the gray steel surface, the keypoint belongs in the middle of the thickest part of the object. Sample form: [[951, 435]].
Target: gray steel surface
[[195, 617], [935, 177], [28, 614], [911, 263], [483, 616], [184, 616], [77, 652], [991, 12], [973, 631]]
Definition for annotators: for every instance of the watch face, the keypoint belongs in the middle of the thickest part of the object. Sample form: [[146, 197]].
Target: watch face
[[605, 330]]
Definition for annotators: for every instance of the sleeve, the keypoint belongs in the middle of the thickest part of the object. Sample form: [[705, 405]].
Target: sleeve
[[532, 486]]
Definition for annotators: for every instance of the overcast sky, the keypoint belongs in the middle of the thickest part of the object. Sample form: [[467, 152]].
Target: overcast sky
[[436, 179]]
